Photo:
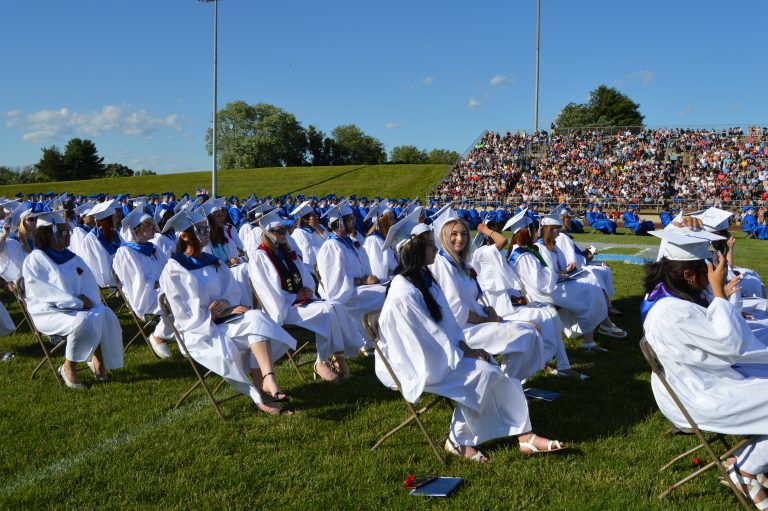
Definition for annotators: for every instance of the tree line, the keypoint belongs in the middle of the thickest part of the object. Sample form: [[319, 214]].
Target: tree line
[[264, 135], [79, 160]]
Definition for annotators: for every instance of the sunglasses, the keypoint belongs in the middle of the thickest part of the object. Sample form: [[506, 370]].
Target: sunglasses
[[279, 230]]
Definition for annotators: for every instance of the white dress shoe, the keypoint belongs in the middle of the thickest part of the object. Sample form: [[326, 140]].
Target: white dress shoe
[[66, 380]]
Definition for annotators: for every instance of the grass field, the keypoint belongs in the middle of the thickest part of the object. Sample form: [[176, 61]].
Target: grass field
[[363, 180], [120, 445]]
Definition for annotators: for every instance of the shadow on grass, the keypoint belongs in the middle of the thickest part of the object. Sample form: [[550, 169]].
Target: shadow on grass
[[310, 185]]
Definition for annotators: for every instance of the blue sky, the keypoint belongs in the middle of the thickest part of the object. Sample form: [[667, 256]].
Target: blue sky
[[136, 77]]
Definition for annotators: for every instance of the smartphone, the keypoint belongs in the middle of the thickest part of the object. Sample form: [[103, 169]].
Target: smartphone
[[715, 258]]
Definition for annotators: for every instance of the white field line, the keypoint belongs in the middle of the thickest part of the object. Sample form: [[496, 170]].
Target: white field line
[[98, 450]]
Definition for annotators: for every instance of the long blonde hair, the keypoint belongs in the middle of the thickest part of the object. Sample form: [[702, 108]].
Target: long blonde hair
[[384, 223], [461, 258]]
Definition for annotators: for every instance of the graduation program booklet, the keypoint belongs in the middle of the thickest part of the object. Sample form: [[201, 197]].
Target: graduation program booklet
[[571, 276], [438, 487]]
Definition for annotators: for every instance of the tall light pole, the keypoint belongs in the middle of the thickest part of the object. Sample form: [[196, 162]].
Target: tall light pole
[[538, 40], [215, 80]]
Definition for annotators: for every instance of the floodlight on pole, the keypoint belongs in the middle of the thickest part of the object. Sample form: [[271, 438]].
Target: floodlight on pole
[[536, 95], [215, 80]]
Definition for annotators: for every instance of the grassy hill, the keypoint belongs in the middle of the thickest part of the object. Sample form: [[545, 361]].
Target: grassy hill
[[366, 180]]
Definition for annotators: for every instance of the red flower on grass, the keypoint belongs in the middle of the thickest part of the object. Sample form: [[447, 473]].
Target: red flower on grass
[[410, 482], [696, 461]]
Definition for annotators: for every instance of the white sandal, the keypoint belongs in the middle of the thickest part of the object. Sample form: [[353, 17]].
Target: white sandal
[[751, 484], [66, 380], [454, 449], [612, 331], [552, 446]]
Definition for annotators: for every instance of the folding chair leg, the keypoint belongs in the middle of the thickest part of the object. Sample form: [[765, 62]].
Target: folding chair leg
[[415, 414], [200, 381], [47, 358], [295, 366]]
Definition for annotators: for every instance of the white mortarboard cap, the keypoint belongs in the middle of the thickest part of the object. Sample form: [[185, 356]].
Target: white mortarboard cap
[[377, 211], [551, 220], [135, 217], [518, 221], [11, 205], [161, 212], [262, 208], [403, 229], [684, 244], [84, 209], [559, 211], [302, 209], [183, 220], [248, 204], [714, 219], [214, 204], [48, 218], [442, 210], [104, 209], [339, 210], [18, 214], [273, 220], [179, 205], [448, 214]]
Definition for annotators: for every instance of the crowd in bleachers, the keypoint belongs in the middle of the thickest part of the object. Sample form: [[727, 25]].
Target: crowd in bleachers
[[644, 167]]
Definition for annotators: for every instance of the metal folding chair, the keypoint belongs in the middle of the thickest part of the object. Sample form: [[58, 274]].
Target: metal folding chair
[[58, 342], [168, 315], [296, 332], [371, 324], [704, 442], [148, 321]]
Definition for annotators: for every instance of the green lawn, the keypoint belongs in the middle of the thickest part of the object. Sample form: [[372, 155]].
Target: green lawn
[[363, 180], [120, 445]]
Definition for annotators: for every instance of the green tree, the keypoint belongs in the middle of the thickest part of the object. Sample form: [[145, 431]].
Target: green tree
[[606, 107], [443, 156], [145, 172], [81, 160], [355, 147], [319, 147], [117, 170], [408, 154], [260, 135], [51, 164]]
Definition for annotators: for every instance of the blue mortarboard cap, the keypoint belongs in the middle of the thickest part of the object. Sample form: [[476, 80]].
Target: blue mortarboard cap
[[747, 208], [19, 195]]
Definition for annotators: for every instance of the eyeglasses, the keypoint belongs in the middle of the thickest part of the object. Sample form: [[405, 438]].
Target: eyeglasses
[[279, 230]]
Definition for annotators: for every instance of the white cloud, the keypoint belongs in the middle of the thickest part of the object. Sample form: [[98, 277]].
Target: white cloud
[[392, 125], [427, 80], [49, 125], [685, 111], [473, 103], [498, 80], [645, 76]]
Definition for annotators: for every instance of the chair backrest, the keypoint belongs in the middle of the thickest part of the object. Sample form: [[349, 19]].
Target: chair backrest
[[658, 370]]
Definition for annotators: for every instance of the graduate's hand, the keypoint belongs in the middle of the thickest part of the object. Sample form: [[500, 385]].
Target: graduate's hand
[[218, 308], [237, 309], [492, 316], [730, 242], [473, 353], [304, 294], [570, 267], [371, 279], [234, 261], [716, 277], [732, 286], [87, 303]]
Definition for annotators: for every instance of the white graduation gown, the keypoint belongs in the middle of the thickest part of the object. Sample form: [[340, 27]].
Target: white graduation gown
[[602, 274], [309, 243], [165, 244], [383, 262], [518, 341], [11, 260], [333, 326], [76, 239], [53, 302], [339, 266], [425, 357], [225, 348], [582, 305], [699, 348], [498, 282], [239, 271], [138, 274], [98, 259]]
